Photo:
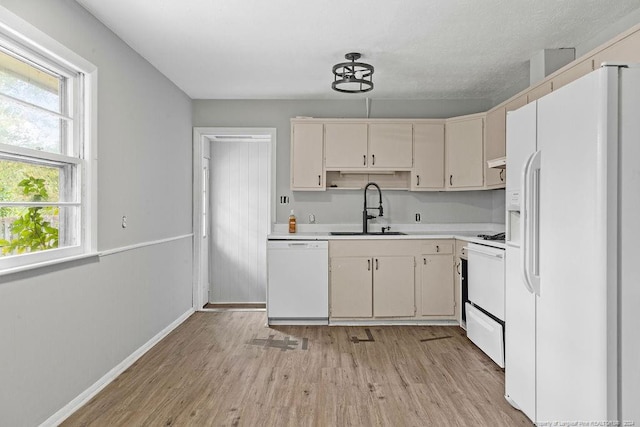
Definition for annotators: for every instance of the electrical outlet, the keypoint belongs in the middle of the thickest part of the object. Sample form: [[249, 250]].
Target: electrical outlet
[[312, 219], [284, 200], [124, 221], [418, 218]]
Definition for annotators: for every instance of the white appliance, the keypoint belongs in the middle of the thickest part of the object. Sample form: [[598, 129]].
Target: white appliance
[[572, 342], [485, 309], [298, 282]]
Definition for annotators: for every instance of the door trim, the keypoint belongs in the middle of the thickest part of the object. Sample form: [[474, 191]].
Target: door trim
[[201, 138]]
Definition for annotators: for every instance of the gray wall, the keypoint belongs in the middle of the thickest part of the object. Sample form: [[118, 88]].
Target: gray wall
[[62, 328], [343, 206]]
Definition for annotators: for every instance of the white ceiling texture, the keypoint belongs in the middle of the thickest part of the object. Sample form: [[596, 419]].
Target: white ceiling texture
[[285, 49]]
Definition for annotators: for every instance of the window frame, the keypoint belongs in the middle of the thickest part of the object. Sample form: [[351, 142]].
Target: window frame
[[25, 40]]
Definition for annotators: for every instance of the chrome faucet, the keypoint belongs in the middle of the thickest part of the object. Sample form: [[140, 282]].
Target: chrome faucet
[[365, 216]]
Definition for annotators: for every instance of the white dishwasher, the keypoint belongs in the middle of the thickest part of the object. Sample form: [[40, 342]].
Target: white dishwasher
[[298, 282]]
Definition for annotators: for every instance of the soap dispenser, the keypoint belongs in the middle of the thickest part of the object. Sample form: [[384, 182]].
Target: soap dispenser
[[292, 222]]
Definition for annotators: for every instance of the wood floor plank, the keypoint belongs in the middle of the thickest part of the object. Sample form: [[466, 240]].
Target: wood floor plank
[[230, 369]]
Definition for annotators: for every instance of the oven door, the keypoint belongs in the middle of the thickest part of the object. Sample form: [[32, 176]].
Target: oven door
[[486, 278]]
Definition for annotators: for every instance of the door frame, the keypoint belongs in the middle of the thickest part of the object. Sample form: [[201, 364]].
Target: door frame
[[201, 140]]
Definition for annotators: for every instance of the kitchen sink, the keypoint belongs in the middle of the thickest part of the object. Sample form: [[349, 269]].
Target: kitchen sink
[[370, 233]]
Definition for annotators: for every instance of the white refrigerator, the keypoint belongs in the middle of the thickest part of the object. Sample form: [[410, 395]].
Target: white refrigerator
[[572, 276]]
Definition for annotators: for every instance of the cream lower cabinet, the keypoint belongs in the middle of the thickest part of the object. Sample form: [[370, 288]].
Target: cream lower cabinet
[[351, 287], [372, 287], [372, 279], [393, 286], [437, 286]]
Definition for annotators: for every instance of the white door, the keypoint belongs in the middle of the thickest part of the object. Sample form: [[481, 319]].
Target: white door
[[239, 220]]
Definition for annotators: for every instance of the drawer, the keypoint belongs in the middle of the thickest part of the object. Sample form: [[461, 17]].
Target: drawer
[[436, 248], [486, 333]]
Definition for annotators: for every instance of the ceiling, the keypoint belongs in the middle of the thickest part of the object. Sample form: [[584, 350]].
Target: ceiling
[[285, 49]]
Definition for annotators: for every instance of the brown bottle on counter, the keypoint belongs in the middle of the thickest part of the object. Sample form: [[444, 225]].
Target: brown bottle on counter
[[292, 222]]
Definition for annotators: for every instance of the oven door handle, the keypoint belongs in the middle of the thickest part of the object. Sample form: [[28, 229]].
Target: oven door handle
[[487, 253]]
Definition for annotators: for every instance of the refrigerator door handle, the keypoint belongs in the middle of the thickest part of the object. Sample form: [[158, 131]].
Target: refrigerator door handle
[[530, 223], [524, 218]]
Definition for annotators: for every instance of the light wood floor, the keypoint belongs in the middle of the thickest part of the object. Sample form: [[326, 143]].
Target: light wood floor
[[223, 369]]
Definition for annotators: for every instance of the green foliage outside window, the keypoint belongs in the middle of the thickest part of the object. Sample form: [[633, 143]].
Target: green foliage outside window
[[31, 231]]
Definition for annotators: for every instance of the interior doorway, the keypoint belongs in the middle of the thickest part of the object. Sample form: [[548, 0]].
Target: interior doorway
[[234, 171]]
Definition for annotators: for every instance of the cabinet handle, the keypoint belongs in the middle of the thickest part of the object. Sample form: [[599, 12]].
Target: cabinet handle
[[502, 175], [376, 263], [450, 179], [368, 265], [319, 181], [364, 160], [424, 261], [458, 267], [418, 183], [373, 157], [437, 248]]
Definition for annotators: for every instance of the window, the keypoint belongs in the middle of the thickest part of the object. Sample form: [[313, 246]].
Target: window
[[46, 173]]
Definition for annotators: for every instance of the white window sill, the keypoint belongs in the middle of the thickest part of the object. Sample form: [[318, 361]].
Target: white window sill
[[37, 265]]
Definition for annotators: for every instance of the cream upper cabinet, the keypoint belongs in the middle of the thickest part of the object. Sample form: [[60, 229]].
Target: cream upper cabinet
[[390, 146], [464, 153], [428, 153], [578, 70], [351, 287], [516, 103], [626, 49], [495, 146], [345, 145], [540, 91], [307, 171], [393, 286]]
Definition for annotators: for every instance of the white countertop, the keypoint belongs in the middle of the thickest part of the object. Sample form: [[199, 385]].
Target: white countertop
[[467, 232]]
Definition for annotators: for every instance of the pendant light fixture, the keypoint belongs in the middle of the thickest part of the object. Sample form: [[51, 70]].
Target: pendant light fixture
[[352, 77]]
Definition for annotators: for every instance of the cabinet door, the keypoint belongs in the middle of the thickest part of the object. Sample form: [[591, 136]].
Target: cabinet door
[[516, 103], [345, 145], [390, 145], [625, 50], [464, 146], [573, 73], [306, 157], [351, 281], [394, 286], [539, 91], [495, 146], [428, 153], [437, 286]]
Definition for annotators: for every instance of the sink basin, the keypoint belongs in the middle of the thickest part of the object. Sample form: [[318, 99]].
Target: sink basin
[[371, 233]]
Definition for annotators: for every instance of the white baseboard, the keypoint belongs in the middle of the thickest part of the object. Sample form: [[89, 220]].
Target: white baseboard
[[71, 407]]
